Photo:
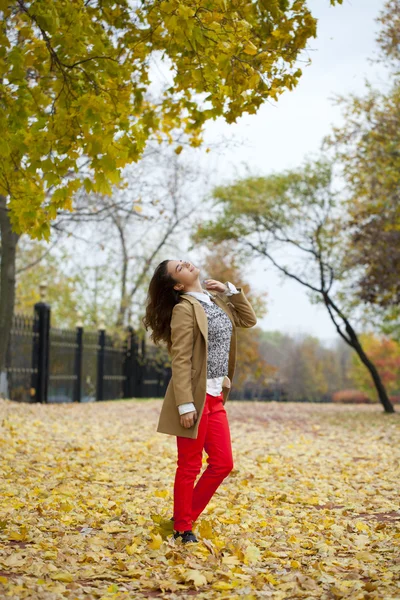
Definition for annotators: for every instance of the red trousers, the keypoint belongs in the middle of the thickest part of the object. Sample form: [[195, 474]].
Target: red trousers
[[214, 437]]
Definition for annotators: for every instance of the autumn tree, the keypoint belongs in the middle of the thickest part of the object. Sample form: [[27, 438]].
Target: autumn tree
[[75, 80], [293, 217], [77, 104], [367, 148]]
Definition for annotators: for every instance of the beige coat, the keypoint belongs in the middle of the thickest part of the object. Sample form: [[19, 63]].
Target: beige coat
[[189, 357]]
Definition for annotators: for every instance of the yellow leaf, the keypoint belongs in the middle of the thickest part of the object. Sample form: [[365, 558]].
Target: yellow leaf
[[252, 554], [114, 528], [230, 560], [362, 526], [62, 576], [365, 556], [295, 564], [156, 541], [132, 549], [205, 529], [15, 535], [250, 48], [195, 576], [271, 579], [223, 586]]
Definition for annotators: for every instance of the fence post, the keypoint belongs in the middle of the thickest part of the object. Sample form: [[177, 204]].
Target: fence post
[[141, 366], [78, 359], [41, 348], [129, 364], [100, 359]]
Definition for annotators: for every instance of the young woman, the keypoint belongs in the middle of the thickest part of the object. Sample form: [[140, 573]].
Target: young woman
[[199, 328]]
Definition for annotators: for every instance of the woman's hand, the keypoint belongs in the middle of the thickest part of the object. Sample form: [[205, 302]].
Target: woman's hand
[[189, 419], [216, 286]]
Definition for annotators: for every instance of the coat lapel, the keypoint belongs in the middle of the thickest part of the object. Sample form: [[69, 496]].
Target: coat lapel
[[201, 316]]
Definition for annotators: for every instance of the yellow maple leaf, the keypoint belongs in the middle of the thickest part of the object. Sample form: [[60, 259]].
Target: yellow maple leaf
[[156, 541], [198, 578], [205, 529], [252, 554]]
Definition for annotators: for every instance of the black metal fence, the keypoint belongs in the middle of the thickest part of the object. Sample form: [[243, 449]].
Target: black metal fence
[[47, 364]]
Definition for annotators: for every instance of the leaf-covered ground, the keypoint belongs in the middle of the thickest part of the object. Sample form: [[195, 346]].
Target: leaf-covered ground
[[311, 509]]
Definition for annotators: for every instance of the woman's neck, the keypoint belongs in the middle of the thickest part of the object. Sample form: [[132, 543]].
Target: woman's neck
[[195, 287]]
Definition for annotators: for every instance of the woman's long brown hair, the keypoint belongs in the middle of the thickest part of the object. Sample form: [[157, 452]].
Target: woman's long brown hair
[[161, 299]]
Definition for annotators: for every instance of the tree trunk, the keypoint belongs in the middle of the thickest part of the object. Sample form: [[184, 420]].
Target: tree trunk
[[355, 343], [124, 301], [9, 241], [380, 388], [352, 339]]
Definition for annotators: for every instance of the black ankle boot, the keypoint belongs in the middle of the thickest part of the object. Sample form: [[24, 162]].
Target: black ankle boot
[[187, 536]]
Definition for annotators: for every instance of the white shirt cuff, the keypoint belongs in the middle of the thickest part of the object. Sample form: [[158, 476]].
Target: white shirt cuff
[[185, 408], [231, 289]]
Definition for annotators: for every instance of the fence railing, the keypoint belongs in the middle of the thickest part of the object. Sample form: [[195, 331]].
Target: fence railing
[[48, 364]]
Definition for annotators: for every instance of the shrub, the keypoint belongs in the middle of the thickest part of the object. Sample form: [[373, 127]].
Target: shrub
[[395, 399], [351, 397]]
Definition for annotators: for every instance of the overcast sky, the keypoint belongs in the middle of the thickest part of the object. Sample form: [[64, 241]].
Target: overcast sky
[[283, 133]]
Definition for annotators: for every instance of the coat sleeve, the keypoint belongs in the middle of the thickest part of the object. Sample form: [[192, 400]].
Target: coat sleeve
[[241, 309], [182, 326]]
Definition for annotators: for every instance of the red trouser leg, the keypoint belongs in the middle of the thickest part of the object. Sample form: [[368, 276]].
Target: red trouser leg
[[214, 437], [220, 461]]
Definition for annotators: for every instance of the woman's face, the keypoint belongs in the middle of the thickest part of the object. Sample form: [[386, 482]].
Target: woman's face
[[184, 273]]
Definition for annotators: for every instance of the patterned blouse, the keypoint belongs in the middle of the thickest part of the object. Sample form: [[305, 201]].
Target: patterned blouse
[[219, 340]]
